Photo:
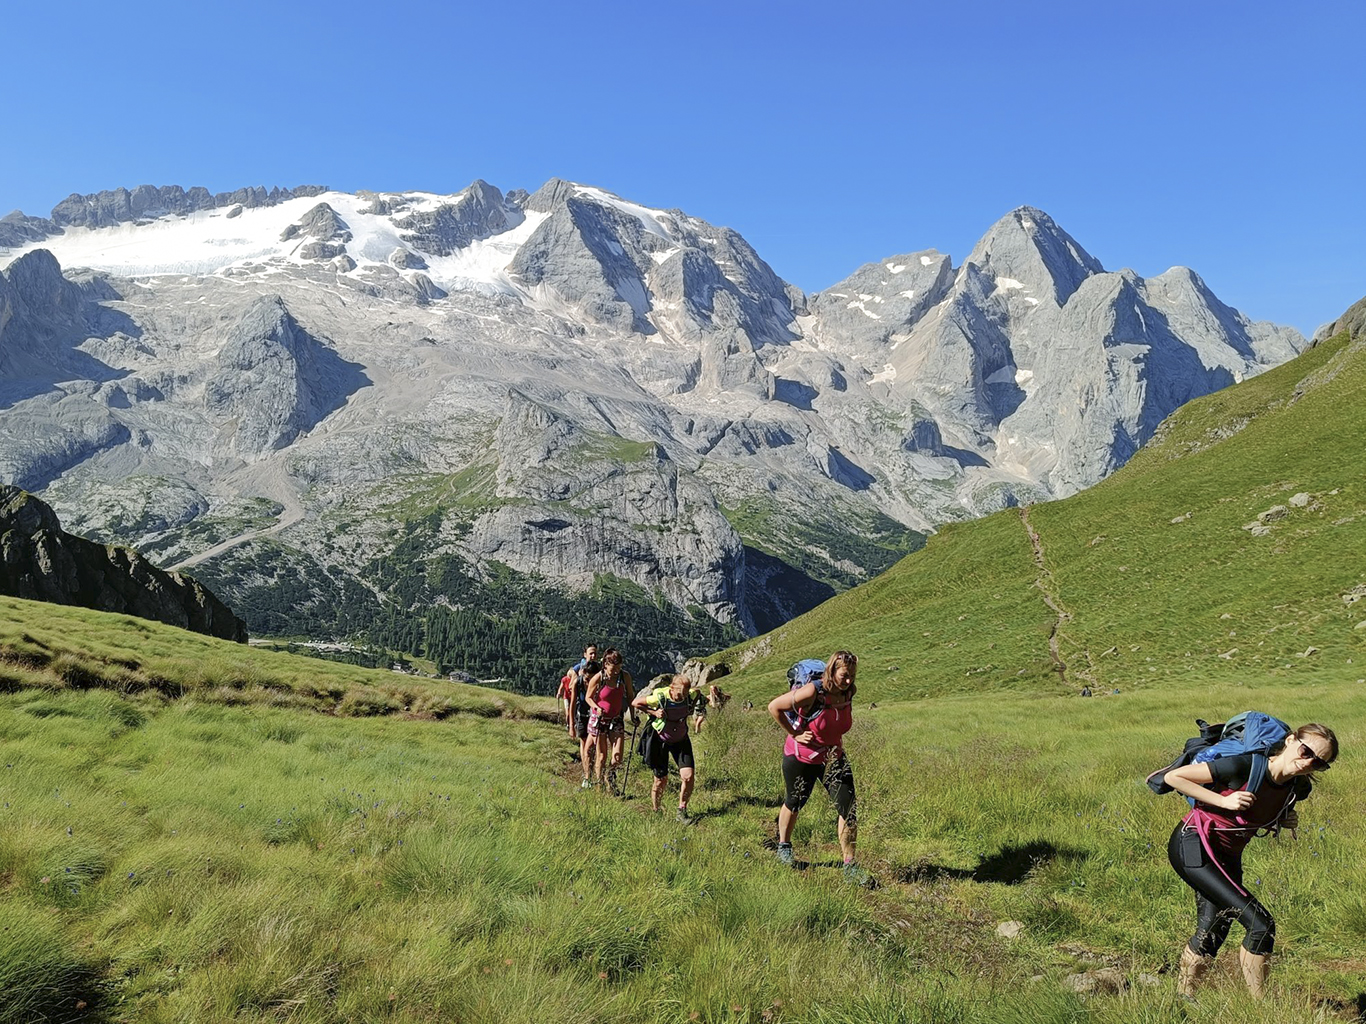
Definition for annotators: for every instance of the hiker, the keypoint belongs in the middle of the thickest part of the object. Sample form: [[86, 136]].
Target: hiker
[[1206, 848], [566, 698], [816, 712], [609, 692], [582, 672], [669, 707]]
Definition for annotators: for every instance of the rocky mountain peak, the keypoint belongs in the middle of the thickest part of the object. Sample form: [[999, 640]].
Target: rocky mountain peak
[[1028, 247], [274, 380]]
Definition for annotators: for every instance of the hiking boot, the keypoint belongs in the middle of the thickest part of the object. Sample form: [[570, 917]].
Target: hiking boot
[[785, 855], [683, 817], [1255, 970], [855, 875], [586, 784], [1192, 968]]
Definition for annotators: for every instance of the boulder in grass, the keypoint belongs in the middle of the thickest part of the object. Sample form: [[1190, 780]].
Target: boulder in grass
[[1300, 500], [1101, 981], [1009, 929], [1272, 514]]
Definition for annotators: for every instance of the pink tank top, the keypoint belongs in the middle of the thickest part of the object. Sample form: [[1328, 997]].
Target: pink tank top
[[609, 699], [827, 731]]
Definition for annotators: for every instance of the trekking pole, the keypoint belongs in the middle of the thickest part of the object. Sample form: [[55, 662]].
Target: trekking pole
[[630, 756]]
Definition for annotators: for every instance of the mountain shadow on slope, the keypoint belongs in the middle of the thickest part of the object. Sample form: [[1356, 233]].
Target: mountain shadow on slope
[[275, 381]]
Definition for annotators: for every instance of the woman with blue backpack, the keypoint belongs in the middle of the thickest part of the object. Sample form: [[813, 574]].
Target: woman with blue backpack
[[816, 712], [1244, 783]]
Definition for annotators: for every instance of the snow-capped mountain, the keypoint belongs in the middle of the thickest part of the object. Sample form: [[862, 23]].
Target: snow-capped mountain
[[565, 383]]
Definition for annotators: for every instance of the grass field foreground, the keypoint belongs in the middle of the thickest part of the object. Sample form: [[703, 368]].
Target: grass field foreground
[[186, 859]]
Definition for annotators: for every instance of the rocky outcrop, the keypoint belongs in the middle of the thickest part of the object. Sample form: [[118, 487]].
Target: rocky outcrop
[[570, 504], [1353, 322], [274, 380], [120, 205], [478, 212], [39, 562]]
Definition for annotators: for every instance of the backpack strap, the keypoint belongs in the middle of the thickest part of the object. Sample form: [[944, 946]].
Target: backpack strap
[[1257, 775]]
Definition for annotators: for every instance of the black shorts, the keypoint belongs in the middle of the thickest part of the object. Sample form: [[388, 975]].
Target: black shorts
[[581, 723], [836, 775], [660, 752]]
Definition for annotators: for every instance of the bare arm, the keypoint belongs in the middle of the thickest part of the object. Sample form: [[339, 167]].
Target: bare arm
[[791, 701], [1193, 780], [641, 702], [594, 685]]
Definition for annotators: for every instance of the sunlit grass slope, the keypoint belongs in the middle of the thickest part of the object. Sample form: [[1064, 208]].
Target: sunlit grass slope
[[59, 647], [1155, 575], [177, 859]]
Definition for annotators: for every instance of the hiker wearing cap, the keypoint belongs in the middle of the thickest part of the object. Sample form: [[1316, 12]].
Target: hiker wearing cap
[[669, 707], [1236, 798], [816, 712], [582, 671], [609, 692]]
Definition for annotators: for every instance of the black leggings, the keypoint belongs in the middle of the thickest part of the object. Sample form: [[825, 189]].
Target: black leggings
[[1218, 903], [837, 775]]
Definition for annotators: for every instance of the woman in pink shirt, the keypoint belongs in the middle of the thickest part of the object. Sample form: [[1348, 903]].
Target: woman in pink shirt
[[815, 717]]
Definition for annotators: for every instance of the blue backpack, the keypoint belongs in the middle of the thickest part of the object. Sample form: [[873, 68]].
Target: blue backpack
[[808, 670], [1251, 732]]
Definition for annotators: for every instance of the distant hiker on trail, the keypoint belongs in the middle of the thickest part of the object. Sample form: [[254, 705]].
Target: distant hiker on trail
[[609, 692], [582, 671], [1235, 796], [816, 712], [669, 707], [566, 698]]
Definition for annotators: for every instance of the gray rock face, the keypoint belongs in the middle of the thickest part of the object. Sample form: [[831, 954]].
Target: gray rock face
[[103, 209], [275, 380], [573, 385], [39, 562], [480, 212], [579, 504], [17, 230], [1032, 358]]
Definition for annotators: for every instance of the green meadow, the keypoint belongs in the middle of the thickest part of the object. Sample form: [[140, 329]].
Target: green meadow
[[195, 831], [190, 857]]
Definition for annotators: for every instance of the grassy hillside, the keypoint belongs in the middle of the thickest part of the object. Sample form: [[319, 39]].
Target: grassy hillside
[[206, 836], [1149, 577], [54, 647]]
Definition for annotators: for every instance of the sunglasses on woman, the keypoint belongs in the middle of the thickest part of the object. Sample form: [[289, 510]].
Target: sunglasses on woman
[[1317, 763]]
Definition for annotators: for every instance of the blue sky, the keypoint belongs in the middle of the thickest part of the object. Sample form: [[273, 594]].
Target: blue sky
[[1224, 136]]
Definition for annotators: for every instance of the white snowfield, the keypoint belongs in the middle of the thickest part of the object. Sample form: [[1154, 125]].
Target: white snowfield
[[209, 242]]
